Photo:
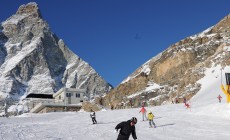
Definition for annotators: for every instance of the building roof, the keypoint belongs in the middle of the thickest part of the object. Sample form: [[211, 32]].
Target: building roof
[[68, 90], [44, 96]]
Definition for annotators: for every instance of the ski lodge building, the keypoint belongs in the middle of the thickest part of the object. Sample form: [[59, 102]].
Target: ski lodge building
[[66, 99]]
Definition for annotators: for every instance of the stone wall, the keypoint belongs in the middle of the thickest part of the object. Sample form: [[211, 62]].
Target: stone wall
[[60, 109]]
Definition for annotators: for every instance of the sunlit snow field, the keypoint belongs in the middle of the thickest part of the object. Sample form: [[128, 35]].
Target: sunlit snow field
[[205, 120]]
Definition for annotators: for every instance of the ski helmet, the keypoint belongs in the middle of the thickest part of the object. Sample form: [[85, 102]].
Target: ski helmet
[[134, 120]]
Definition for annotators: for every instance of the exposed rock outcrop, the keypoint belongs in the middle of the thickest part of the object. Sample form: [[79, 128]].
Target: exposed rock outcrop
[[174, 72]]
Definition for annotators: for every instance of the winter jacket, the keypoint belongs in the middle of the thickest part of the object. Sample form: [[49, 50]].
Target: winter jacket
[[126, 130], [150, 116], [143, 110], [226, 92], [92, 115]]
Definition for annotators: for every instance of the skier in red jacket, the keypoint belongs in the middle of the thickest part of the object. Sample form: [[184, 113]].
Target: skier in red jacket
[[219, 97], [143, 112]]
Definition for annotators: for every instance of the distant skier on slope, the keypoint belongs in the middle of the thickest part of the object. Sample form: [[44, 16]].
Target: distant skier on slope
[[143, 112], [6, 109], [184, 100], [219, 98], [127, 128], [187, 105], [177, 101], [93, 116], [150, 118]]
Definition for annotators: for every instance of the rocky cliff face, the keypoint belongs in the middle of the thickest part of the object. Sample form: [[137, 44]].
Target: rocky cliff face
[[174, 72], [34, 60]]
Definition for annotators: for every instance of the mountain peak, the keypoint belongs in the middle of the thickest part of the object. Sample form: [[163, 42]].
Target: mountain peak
[[30, 8], [39, 62]]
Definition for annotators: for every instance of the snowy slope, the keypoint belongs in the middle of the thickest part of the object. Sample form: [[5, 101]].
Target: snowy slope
[[174, 122], [211, 85], [206, 120]]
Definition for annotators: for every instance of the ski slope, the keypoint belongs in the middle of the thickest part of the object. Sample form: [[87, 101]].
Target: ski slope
[[207, 119]]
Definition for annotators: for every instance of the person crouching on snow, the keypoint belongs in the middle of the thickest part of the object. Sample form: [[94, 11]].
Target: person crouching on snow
[[127, 128], [150, 118], [93, 116]]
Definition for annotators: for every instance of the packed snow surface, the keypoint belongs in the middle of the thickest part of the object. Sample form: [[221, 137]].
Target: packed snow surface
[[207, 119], [174, 122]]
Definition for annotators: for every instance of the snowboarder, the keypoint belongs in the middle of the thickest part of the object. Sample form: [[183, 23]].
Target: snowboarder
[[219, 98], [150, 118], [127, 128], [93, 116], [143, 111]]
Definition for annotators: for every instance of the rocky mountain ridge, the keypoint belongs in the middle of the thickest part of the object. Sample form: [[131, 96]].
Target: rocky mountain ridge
[[175, 72], [35, 60]]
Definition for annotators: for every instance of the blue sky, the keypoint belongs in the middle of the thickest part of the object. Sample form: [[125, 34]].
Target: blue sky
[[117, 36]]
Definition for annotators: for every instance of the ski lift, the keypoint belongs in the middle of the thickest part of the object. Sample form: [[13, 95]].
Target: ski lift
[[227, 75]]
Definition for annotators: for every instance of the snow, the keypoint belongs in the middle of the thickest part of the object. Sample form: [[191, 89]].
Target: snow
[[227, 48], [135, 94], [152, 86], [14, 19], [212, 79], [203, 34], [206, 119], [43, 80], [12, 62], [143, 69]]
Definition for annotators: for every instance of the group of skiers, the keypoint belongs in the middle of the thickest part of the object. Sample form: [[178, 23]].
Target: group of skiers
[[128, 127], [149, 117]]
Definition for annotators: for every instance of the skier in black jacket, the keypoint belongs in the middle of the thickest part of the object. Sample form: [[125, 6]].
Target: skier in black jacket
[[93, 116], [127, 128]]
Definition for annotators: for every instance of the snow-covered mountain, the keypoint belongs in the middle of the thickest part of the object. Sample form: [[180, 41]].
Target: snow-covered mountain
[[175, 72], [35, 60]]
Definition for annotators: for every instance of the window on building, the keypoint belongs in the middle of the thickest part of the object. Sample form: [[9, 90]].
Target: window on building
[[78, 95], [68, 94], [59, 97]]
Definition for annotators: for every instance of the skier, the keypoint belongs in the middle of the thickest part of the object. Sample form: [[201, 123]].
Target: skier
[[126, 128], [6, 109], [184, 101], [177, 101], [187, 105], [143, 111], [93, 116], [150, 118], [219, 97]]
